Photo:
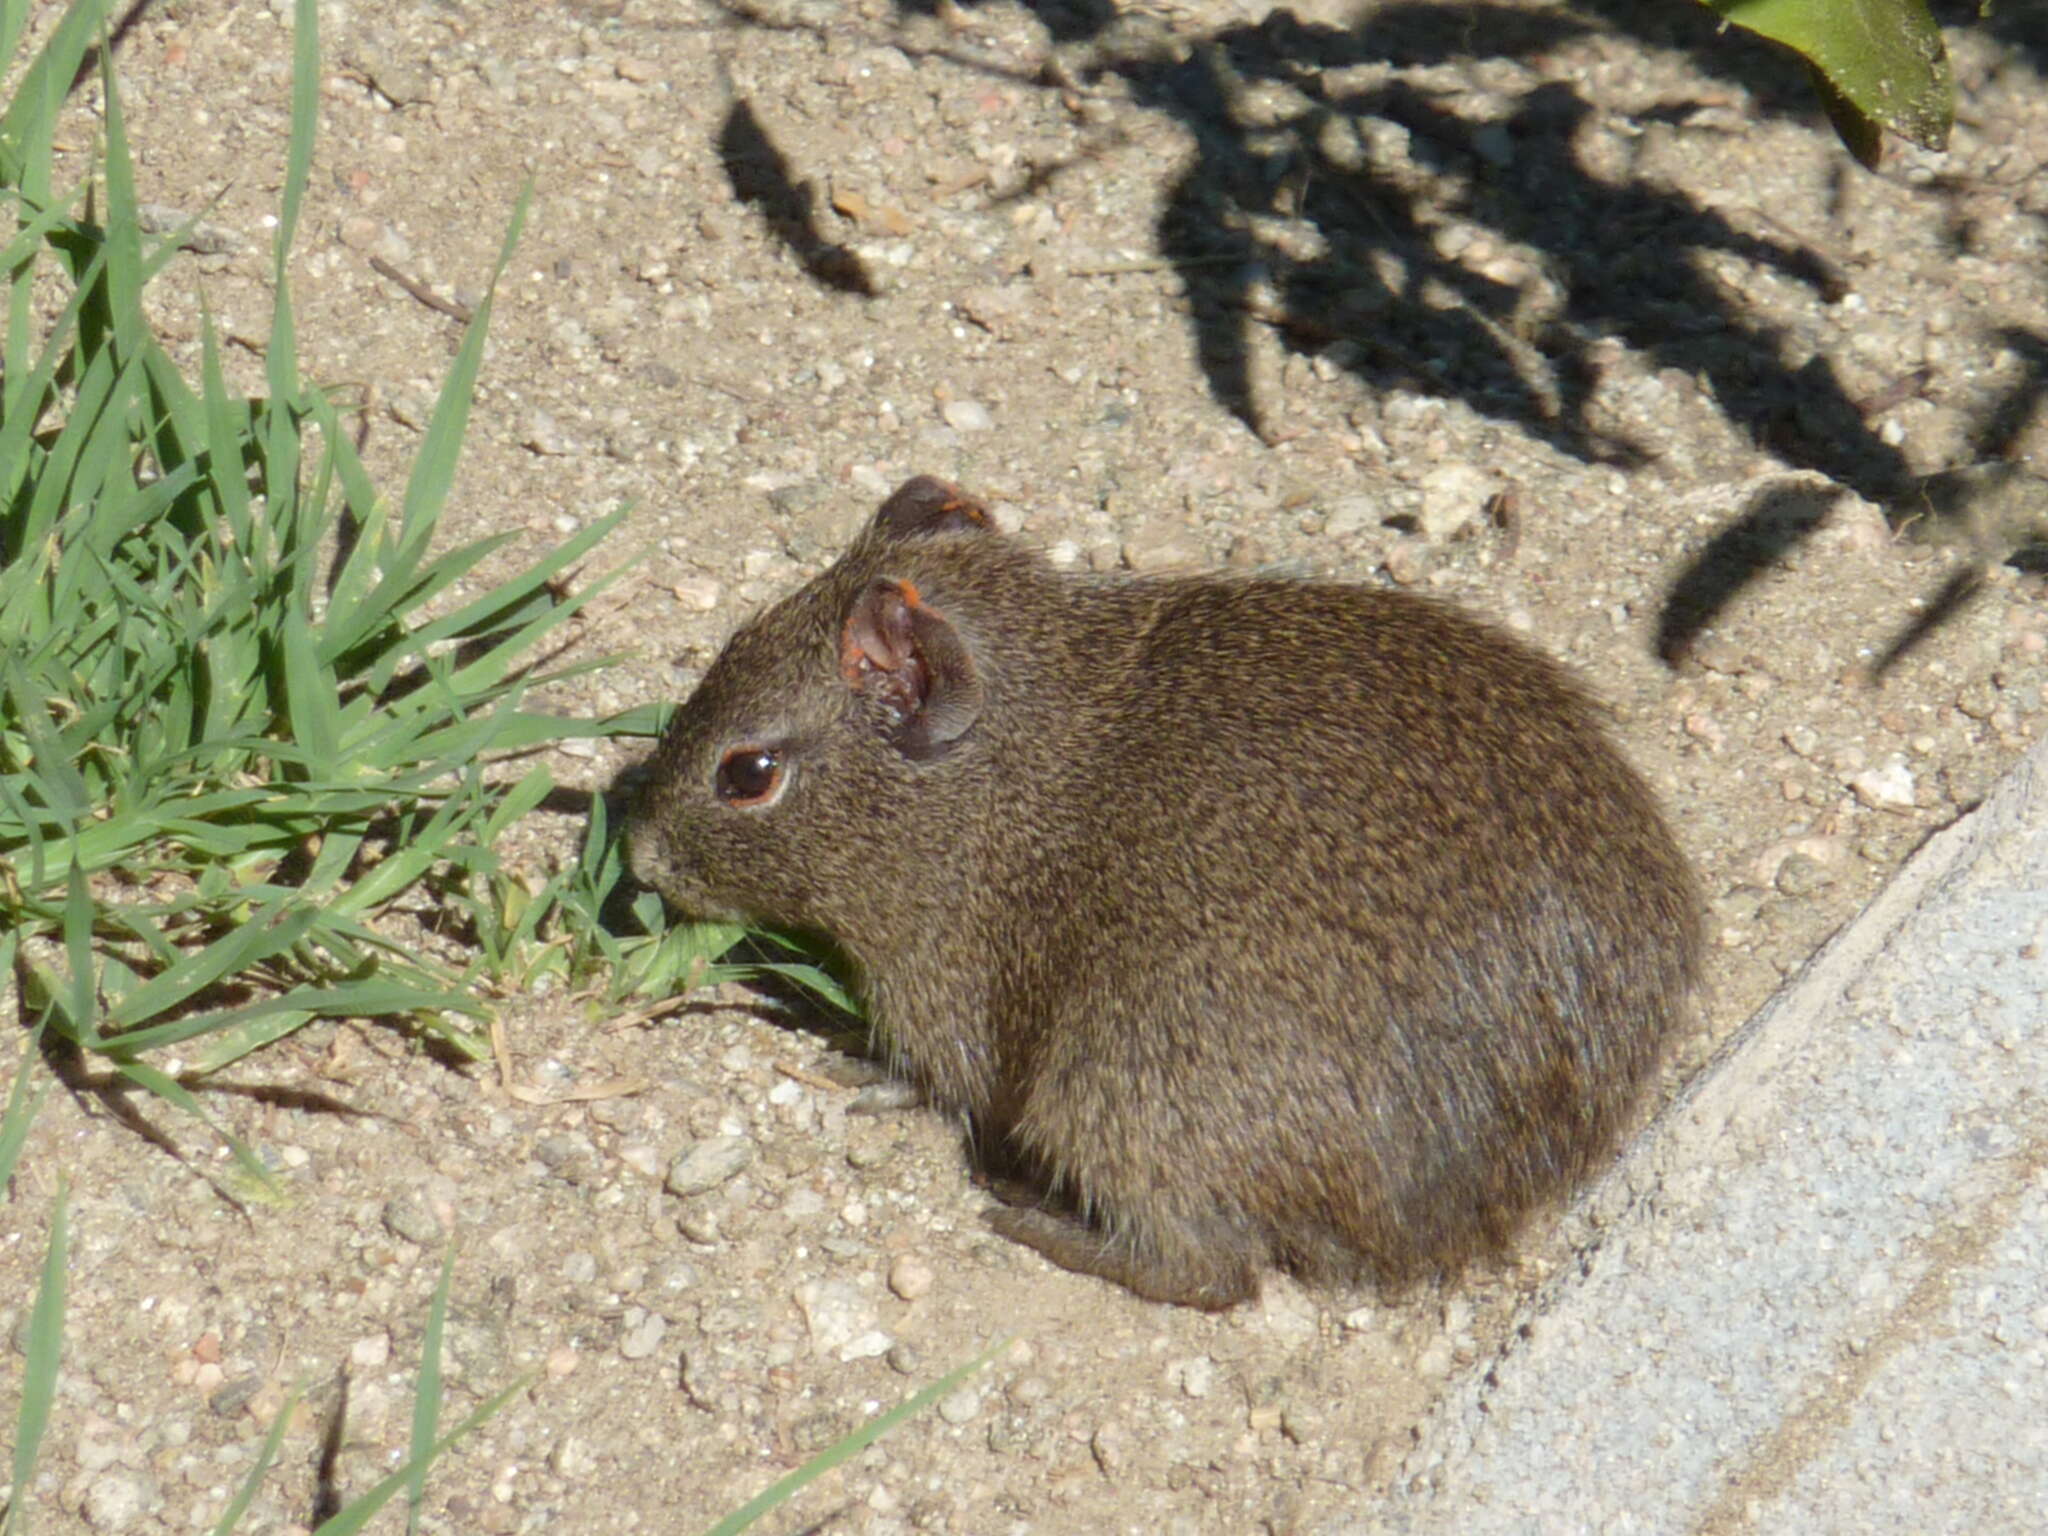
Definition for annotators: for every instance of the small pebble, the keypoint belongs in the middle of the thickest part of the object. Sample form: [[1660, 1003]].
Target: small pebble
[[1111, 1447], [234, 1397], [1351, 514], [836, 1312], [699, 594], [869, 1152], [544, 436], [641, 1158], [699, 1224], [967, 416], [410, 1217], [866, 1346], [572, 1459], [1160, 546], [1802, 874], [709, 1164], [1405, 563], [911, 1277], [642, 1333], [1451, 497], [1887, 788], [115, 1501], [570, 1156]]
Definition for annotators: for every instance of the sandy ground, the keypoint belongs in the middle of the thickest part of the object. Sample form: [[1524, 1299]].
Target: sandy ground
[[1171, 286]]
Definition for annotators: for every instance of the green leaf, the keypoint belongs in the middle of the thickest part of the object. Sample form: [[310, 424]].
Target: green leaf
[[1880, 63]]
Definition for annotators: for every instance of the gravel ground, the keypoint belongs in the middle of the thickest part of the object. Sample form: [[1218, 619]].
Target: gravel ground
[[1580, 319]]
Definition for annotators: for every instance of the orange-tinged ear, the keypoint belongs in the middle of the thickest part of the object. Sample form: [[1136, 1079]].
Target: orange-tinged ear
[[906, 657], [929, 505]]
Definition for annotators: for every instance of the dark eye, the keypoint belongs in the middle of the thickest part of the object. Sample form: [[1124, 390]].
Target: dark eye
[[749, 777]]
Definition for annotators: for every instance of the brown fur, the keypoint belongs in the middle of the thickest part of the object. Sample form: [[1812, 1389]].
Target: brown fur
[[1246, 921]]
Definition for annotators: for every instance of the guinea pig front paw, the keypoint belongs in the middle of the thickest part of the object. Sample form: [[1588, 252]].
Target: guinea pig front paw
[[1209, 1280]]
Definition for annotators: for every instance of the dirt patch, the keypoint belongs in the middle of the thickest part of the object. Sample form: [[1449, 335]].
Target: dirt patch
[[1583, 321]]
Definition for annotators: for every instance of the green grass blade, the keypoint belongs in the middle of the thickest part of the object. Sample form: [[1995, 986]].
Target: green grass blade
[[426, 1404], [282, 359], [433, 471], [22, 1104], [500, 606], [312, 704], [361, 1511], [780, 1492], [80, 993], [348, 624], [175, 1093], [420, 850], [45, 1343], [225, 429], [515, 803], [273, 1442], [271, 930], [31, 118], [399, 592], [814, 979], [123, 235], [20, 386], [58, 783], [228, 1044], [13, 14], [373, 997]]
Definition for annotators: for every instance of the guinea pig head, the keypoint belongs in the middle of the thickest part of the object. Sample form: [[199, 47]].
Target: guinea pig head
[[797, 784]]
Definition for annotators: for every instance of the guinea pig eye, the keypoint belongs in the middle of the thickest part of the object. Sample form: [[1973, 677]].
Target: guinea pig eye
[[749, 777]]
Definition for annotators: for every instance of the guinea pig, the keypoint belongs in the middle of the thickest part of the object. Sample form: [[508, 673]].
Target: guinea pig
[[1245, 921]]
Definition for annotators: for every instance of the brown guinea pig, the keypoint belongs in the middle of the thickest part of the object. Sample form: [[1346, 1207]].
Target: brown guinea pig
[[1245, 921]]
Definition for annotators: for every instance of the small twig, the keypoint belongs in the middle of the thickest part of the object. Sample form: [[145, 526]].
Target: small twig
[[1906, 387], [1505, 508], [1155, 264], [744, 396], [421, 291], [635, 1017], [798, 1074]]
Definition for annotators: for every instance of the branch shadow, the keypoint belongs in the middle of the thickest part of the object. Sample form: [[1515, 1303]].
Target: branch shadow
[[1352, 193], [761, 176]]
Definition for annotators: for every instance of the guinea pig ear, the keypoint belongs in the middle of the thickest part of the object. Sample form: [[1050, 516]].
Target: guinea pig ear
[[929, 505], [910, 660]]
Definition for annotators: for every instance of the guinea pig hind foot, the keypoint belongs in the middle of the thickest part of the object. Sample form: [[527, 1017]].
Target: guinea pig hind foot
[[1209, 1278]]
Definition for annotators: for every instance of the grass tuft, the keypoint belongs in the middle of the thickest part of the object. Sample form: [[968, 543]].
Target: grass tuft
[[246, 704]]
